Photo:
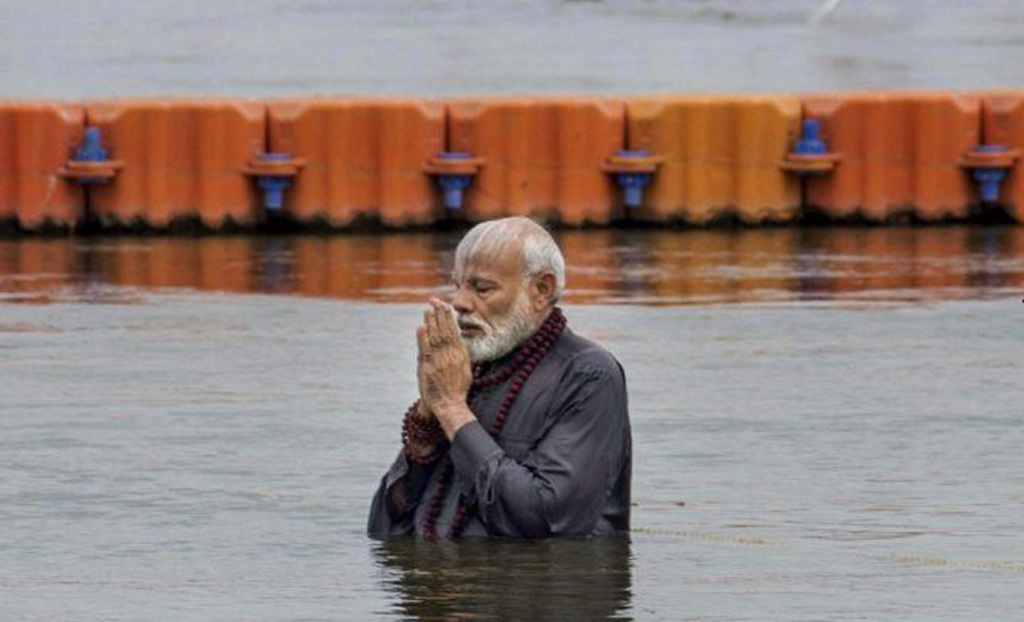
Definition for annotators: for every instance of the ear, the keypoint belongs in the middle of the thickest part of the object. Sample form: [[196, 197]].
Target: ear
[[542, 291]]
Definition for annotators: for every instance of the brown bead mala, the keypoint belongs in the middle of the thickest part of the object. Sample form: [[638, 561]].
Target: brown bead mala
[[423, 433], [524, 361]]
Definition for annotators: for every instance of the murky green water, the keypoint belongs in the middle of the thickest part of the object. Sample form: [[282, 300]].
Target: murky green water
[[827, 427]]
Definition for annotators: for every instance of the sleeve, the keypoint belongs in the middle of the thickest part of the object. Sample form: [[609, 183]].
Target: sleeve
[[561, 486], [393, 509]]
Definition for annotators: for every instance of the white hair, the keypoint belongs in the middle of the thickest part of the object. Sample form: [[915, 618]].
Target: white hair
[[541, 254]]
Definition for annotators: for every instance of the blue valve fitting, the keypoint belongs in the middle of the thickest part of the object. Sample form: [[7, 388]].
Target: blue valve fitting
[[454, 184], [633, 170], [273, 186], [988, 183], [633, 184], [989, 178], [988, 165], [91, 151], [810, 156], [454, 171], [273, 173], [810, 142]]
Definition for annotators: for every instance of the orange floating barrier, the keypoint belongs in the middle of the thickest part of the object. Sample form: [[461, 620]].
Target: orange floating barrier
[[1003, 124], [541, 157], [181, 160], [36, 140], [900, 154], [721, 156], [878, 157], [362, 158]]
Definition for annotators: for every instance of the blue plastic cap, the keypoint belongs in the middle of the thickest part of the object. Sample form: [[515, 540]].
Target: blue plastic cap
[[988, 183], [810, 128], [91, 149], [273, 199], [810, 138], [457, 182], [453, 198], [454, 155], [989, 178], [453, 185], [273, 191], [633, 185], [635, 153], [275, 157], [634, 196], [273, 187]]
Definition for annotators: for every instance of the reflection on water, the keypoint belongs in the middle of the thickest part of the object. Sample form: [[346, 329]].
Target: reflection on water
[[501, 580], [606, 266]]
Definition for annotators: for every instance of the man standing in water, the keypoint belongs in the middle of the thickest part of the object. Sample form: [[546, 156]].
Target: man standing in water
[[521, 429]]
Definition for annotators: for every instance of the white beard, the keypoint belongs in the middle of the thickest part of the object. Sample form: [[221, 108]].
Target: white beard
[[503, 334]]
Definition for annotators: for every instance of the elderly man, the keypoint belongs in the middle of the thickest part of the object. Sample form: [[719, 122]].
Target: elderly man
[[521, 429]]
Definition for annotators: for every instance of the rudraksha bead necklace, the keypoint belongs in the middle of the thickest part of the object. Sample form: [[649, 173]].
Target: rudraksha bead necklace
[[420, 432]]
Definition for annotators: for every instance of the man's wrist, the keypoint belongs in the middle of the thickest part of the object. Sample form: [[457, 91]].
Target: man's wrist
[[452, 416]]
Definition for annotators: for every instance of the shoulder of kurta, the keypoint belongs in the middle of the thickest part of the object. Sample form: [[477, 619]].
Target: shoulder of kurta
[[586, 357]]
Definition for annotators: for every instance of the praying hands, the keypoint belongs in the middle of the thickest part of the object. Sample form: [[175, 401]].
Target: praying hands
[[443, 369]]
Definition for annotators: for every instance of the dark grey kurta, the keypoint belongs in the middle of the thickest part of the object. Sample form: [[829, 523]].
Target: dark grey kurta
[[561, 466]]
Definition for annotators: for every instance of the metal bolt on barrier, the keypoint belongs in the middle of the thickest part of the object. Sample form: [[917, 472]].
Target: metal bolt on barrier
[[810, 156], [988, 165], [273, 173], [90, 164], [454, 171], [633, 171]]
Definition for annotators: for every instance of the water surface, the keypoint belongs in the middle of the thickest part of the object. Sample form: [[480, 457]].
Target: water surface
[[270, 48], [827, 426], [826, 422], [649, 267]]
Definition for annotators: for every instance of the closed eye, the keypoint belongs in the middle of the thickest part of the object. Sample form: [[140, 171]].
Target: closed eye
[[482, 286]]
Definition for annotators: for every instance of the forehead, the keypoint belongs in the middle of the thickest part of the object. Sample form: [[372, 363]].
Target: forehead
[[500, 264]]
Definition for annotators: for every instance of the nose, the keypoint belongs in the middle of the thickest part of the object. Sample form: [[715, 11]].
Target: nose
[[462, 301]]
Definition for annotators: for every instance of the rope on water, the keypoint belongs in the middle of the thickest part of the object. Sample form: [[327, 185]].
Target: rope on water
[[968, 564], [707, 536]]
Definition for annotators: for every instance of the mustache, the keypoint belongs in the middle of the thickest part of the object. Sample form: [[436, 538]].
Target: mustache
[[465, 322]]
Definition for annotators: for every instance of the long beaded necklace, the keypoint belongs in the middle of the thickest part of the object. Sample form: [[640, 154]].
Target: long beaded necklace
[[524, 361]]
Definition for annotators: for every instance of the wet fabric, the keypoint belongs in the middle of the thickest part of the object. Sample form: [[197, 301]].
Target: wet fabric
[[561, 466]]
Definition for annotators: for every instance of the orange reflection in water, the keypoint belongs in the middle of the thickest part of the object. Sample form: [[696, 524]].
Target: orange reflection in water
[[34, 270], [913, 263], [396, 268], [604, 266]]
